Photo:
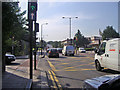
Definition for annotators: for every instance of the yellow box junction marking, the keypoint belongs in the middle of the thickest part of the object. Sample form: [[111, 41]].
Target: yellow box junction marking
[[77, 66], [69, 68]]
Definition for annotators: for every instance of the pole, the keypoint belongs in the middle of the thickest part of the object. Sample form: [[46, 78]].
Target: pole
[[35, 46], [70, 28], [70, 32], [31, 63], [41, 39]]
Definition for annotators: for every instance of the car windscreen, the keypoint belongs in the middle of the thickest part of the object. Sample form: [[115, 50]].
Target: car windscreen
[[70, 48], [53, 50]]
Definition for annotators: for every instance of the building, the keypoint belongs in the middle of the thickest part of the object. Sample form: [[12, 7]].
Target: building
[[67, 42], [94, 41]]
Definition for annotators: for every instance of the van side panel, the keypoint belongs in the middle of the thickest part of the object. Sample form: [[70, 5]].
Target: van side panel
[[112, 59]]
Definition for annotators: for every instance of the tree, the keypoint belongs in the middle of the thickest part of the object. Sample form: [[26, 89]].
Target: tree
[[12, 27], [109, 32], [56, 44], [80, 40]]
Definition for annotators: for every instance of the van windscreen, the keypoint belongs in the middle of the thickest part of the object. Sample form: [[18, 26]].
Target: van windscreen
[[70, 48]]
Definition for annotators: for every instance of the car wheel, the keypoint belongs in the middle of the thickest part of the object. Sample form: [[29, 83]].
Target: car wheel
[[98, 66]]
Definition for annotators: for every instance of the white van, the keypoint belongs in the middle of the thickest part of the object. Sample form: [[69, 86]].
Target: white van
[[108, 55], [68, 50]]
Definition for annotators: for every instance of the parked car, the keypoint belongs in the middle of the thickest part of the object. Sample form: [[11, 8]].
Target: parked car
[[59, 50], [53, 53], [82, 50], [9, 58], [107, 82], [68, 50], [108, 55]]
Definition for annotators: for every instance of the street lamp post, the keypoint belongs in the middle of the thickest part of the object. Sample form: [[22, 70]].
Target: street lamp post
[[70, 18], [41, 34]]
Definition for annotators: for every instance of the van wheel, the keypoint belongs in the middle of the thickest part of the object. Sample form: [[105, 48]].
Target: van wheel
[[98, 66]]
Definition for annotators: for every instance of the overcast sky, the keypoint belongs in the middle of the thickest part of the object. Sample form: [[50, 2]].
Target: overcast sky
[[92, 16]]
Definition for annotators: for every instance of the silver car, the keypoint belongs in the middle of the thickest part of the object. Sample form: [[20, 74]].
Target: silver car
[[102, 83]]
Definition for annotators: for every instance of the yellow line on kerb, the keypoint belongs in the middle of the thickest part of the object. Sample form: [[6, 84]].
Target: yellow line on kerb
[[52, 80], [59, 86], [51, 65]]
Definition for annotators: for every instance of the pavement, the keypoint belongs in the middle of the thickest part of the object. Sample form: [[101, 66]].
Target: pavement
[[17, 77]]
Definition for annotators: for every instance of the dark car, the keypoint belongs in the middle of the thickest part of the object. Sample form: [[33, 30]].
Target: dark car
[[9, 58], [53, 53]]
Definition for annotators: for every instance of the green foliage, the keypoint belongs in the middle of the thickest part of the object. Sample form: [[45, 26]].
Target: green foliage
[[109, 32], [56, 44], [13, 22], [80, 40]]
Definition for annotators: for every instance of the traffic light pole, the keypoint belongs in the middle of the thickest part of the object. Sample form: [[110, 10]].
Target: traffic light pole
[[32, 9], [31, 58], [35, 47]]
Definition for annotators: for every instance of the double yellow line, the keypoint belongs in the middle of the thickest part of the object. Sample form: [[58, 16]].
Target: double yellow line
[[55, 82], [53, 77]]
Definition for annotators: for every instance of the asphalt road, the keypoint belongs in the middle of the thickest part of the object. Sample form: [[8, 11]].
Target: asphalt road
[[71, 71], [66, 71]]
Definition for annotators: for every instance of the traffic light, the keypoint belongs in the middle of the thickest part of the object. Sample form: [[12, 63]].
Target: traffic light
[[75, 38], [32, 11], [32, 7]]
